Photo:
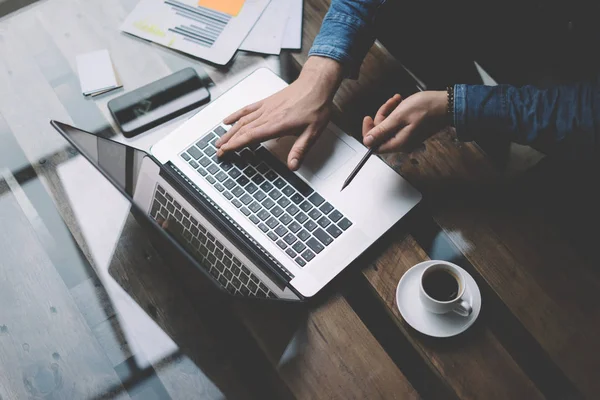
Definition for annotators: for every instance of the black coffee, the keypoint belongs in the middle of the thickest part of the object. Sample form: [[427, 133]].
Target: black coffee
[[440, 285]]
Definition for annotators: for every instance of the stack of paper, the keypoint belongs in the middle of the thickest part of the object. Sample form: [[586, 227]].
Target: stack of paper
[[96, 73], [214, 29]]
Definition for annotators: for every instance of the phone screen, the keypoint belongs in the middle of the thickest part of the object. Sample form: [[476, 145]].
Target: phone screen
[[158, 102]]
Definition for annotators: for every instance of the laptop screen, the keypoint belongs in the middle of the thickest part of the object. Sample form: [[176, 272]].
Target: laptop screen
[[138, 176]]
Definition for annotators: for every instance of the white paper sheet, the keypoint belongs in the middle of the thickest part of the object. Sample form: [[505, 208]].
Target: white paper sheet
[[96, 72], [292, 36], [266, 36], [198, 31]]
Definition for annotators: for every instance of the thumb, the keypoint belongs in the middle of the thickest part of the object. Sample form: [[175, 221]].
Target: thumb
[[382, 132], [301, 147]]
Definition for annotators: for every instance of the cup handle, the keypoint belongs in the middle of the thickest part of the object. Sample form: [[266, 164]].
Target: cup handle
[[463, 309]]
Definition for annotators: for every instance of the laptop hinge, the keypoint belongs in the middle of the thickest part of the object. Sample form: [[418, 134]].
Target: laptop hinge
[[226, 225]]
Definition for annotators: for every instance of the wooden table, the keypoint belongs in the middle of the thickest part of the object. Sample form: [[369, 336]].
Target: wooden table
[[88, 309]]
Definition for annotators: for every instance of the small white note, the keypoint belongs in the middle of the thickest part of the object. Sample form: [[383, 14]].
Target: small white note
[[96, 72]]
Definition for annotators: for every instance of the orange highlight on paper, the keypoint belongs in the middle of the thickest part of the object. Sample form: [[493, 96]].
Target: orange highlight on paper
[[231, 7]]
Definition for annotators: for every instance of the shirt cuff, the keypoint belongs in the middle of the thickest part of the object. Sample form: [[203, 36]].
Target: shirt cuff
[[344, 38], [460, 113]]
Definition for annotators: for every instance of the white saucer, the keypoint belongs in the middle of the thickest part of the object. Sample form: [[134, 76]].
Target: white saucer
[[436, 325]]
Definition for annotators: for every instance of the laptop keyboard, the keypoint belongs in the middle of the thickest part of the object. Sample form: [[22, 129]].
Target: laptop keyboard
[[235, 277], [288, 211]]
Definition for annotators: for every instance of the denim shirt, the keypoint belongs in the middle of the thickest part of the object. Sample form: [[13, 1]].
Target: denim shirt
[[541, 118]]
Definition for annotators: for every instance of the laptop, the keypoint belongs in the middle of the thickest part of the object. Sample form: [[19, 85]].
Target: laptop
[[252, 226]]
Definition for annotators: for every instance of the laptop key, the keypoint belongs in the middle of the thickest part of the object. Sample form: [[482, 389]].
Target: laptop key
[[219, 187], [334, 231], [300, 261], [225, 165], [219, 131], [211, 179], [281, 231], [299, 247], [251, 188], [324, 222], [263, 215], [245, 211], [193, 164], [281, 244], [248, 157], [316, 199], [161, 199], [204, 161], [195, 152], [254, 219], [169, 197], [249, 172], [283, 202], [326, 208], [268, 203], [263, 228], [308, 255], [236, 203], [255, 207], [297, 198], [277, 211], [210, 151], [270, 175], [242, 180], [294, 227], [258, 179], [285, 219], [344, 224], [292, 210], [213, 169], [279, 183], [246, 199], [272, 223], [267, 187], [288, 191], [289, 238], [315, 245], [291, 253], [323, 237], [221, 176], [303, 235], [186, 156], [283, 170], [202, 171], [234, 173], [262, 168], [237, 191], [244, 291], [335, 216], [274, 194], [306, 206], [229, 184], [315, 214], [272, 236], [301, 217]]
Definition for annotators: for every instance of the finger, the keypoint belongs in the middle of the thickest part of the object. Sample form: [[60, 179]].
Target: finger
[[382, 132], [368, 124], [257, 134], [242, 112], [302, 146], [386, 109], [244, 121], [399, 142], [233, 145]]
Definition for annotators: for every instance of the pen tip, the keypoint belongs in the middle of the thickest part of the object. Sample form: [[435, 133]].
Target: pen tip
[[344, 186]]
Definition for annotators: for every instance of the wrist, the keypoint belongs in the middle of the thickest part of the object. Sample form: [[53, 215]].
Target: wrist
[[323, 74]]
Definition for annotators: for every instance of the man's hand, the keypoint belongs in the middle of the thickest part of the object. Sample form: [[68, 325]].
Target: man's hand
[[400, 125], [303, 109]]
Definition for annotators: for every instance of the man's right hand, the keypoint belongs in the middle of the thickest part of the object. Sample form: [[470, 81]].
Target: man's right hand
[[302, 109]]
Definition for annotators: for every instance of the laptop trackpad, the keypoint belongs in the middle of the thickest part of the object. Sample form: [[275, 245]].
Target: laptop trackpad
[[324, 158]]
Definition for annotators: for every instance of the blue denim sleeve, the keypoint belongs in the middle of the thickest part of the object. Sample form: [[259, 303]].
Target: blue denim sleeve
[[541, 118], [347, 33]]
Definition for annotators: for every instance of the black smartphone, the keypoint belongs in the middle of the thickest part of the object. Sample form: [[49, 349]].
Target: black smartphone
[[158, 102]]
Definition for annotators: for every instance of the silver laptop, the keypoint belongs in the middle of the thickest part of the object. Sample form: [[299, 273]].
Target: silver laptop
[[253, 226]]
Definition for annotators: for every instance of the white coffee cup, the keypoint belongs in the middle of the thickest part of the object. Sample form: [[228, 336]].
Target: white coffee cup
[[457, 304]]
